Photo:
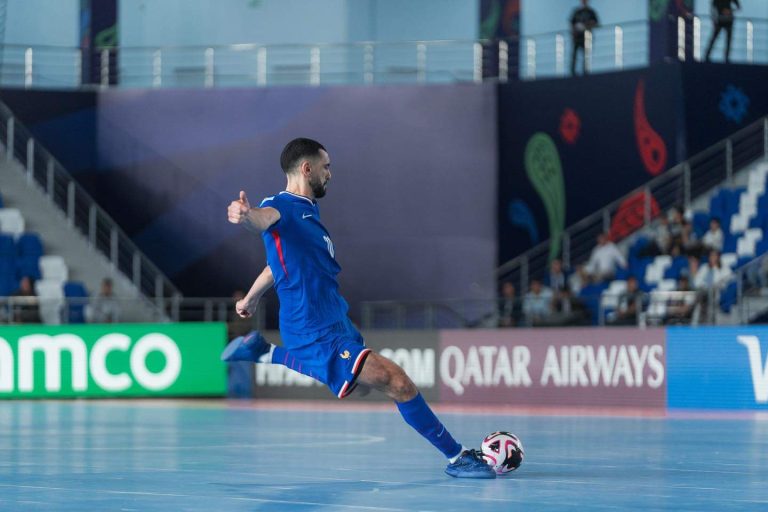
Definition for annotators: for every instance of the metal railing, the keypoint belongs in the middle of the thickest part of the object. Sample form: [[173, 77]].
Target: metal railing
[[676, 187], [608, 48], [56, 310], [83, 213], [652, 308]]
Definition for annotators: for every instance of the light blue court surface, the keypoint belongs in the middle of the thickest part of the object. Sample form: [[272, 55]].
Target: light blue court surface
[[218, 456]]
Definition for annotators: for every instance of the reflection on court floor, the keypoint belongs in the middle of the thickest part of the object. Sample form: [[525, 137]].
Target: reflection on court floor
[[220, 456]]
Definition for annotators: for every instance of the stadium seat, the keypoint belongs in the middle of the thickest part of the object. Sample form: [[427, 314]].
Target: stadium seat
[[29, 244], [54, 268], [728, 297], [11, 221], [51, 296], [75, 310]]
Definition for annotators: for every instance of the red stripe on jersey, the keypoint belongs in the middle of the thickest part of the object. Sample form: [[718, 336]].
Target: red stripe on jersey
[[279, 247]]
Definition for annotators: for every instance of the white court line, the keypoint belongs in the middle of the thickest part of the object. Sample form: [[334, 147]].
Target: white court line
[[365, 440], [236, 498]]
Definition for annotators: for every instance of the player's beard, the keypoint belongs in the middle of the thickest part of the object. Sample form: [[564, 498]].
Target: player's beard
[[318, 188]]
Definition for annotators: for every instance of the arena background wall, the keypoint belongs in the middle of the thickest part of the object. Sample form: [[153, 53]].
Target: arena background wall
[[429, 181]]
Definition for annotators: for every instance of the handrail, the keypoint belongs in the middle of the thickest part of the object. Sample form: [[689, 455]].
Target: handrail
[[687, 179], [83, 213], [615, 47], [186, 309]]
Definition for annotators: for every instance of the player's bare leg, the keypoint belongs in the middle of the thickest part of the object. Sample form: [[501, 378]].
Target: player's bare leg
[[381, 374]]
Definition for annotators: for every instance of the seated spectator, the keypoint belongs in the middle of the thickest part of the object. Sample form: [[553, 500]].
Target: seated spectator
[[712, 275], [104, 308], [660, 242], [579, 280], [713, 238], [605, 259], [680, 232], [537, 304], [630, 303], [557, 281], [681, 303], [26, 309], [693, 268], [510, 309]]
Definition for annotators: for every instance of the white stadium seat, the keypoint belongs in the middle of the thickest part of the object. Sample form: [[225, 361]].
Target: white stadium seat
[[11, 221], [54, 268]]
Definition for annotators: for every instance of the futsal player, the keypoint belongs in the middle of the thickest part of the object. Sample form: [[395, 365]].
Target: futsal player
[[318, 338]]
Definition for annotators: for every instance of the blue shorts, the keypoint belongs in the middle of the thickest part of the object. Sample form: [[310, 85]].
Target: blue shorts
[[334, 355]]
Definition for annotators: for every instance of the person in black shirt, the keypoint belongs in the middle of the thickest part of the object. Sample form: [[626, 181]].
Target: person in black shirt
[[583, 19], [722, 18]]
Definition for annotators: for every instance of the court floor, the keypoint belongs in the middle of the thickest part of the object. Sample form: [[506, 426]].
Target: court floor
[[221, 456]]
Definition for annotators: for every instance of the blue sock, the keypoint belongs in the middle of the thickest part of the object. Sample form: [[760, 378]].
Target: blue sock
[[417, 414]]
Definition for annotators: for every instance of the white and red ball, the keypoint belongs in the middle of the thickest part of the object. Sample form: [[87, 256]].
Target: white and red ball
[[502, 451]]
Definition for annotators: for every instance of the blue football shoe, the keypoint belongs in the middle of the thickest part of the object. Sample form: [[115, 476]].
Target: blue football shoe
[[470, 464], [246, 348]]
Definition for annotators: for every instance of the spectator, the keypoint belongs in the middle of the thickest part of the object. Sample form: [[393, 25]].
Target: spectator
[[25, 310], [605, 259], [681, 303], [713, 239], [105, 308], [693, 268], [510, 310], [680, 232], [630, 302], [578, 280], [661, 239], [713, 274], [722, 18], [537, 304], [583, 20]]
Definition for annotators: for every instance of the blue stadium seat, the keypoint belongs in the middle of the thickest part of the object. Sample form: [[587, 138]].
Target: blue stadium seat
[[728, 297], [676, 268], [590, 297], [29, 244], [701, 223], [76, 309], [29, 248], [638, 245], [7, 245]]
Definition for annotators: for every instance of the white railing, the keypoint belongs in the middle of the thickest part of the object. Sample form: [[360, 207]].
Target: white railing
[[608, 48], [83, 213]]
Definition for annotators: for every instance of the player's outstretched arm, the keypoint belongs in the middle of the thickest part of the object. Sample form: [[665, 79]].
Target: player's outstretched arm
[[247, 305], [253, 219]]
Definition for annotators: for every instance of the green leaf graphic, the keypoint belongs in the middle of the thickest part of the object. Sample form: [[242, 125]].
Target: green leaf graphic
[[542, 164]]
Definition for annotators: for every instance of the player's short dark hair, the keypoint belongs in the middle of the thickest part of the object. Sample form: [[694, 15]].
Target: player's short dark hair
[[298, 149]]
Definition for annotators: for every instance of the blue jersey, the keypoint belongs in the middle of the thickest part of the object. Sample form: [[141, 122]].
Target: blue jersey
[[301, 256]]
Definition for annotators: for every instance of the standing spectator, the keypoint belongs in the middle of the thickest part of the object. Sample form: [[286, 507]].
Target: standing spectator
[[105, 309], [605, 259], [25, 310], [661, 239], [630, 302], [680, 231], [722, 18], [583, 20], [713, 239], [510, 310], [537, 304]]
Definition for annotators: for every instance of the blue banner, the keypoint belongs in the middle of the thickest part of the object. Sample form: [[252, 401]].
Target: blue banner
[[717, 368]]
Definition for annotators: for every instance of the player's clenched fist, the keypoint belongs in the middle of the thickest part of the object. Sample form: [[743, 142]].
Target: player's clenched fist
[[238, 209]]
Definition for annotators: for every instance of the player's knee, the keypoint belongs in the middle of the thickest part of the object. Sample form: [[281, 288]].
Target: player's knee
[[401, 388]]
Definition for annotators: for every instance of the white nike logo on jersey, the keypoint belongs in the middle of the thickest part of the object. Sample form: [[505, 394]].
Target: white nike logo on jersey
[[305, 215]]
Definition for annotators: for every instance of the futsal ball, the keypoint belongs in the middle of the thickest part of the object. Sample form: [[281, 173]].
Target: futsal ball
[[502, 451]]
